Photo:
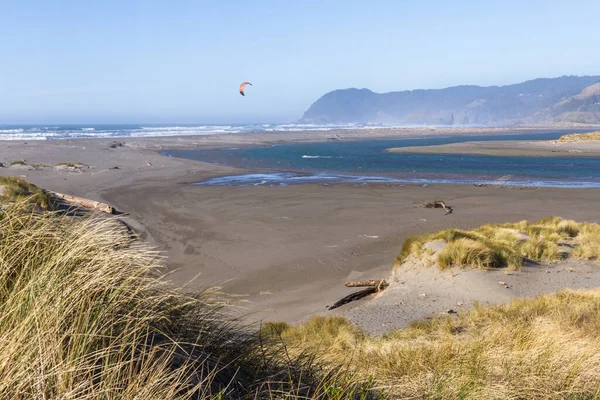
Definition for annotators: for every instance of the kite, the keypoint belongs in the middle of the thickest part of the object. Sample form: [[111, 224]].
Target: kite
[[242, 86]]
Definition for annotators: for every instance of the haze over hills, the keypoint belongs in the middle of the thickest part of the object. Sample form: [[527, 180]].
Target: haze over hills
[[546, 100]]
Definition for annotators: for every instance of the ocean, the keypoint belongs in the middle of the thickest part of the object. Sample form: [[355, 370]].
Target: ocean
[[46, 132], [365, 161]]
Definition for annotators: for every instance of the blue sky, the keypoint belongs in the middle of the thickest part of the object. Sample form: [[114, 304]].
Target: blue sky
[[182, 61]]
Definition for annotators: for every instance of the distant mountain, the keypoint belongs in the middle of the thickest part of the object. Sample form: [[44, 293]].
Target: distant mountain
[[564, 99]]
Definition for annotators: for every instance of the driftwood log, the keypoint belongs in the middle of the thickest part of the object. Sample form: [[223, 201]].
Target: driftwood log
[[81, 201], [380, 283], [373, 287], [439, 204]]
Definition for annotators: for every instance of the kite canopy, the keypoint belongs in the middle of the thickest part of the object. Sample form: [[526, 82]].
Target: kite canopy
[[242, 86]]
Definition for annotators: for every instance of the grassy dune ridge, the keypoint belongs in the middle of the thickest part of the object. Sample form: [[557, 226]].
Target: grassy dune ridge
[[508, 245], [542, 348]]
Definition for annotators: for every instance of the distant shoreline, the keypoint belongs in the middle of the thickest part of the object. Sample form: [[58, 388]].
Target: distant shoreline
[[257, 132], [542, 148]]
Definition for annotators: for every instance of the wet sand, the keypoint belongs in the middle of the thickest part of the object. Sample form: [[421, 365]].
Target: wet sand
[[285, 251]]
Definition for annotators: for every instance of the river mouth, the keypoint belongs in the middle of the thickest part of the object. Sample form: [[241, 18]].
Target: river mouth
[[367, 161]]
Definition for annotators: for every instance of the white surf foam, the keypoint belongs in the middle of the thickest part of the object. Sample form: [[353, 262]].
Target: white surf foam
[[288, 178]]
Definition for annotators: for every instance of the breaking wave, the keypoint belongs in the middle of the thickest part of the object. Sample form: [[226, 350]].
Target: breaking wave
[[38, 132], [291, 178]]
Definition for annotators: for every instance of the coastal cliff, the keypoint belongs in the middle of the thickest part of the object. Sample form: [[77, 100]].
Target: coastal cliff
[[565, 99]]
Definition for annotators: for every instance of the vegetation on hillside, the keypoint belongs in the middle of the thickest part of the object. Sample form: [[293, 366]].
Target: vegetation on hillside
[[580, 137], [508, 245], [566, 99]]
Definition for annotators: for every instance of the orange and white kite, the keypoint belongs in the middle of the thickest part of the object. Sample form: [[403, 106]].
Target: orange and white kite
[[242, 86]]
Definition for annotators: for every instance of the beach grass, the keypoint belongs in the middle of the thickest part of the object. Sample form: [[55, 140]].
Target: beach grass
[[508, 245], [542, 348], [69, 164], [23, 192], [18, 162], [580, 137], [86, 314]]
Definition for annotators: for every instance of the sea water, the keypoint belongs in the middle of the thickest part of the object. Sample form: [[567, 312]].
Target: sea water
[[70, 131], [366, 161]]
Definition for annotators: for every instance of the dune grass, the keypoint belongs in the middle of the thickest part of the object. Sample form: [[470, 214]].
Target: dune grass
[[84, 314], [17, 189], [508, 245], [580, 137], [83, 318], [18, 162], [542, 348], [70, 164]]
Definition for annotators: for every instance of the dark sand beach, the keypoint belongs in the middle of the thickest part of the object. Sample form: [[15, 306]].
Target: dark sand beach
[[285, 252]]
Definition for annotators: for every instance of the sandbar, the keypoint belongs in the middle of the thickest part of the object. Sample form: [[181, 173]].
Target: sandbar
[[519, 148]]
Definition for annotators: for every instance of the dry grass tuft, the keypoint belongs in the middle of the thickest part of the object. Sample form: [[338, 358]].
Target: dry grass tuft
[[70, 164], [412, 245], [588, 238], [507, 245], [17, 189], [469, 252]]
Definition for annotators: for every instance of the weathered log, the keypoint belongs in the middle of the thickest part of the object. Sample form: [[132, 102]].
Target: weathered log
[[374, 286], [353, 297], [380, 283], [95, 205]]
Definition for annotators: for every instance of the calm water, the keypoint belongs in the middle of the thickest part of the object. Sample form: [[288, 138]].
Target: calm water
[[367, 161]]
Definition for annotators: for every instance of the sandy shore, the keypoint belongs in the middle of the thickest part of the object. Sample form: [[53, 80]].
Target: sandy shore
[[418, 293], [538, 148], [286, 251]]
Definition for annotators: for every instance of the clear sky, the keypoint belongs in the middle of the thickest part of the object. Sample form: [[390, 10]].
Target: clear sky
[[182, 61]]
